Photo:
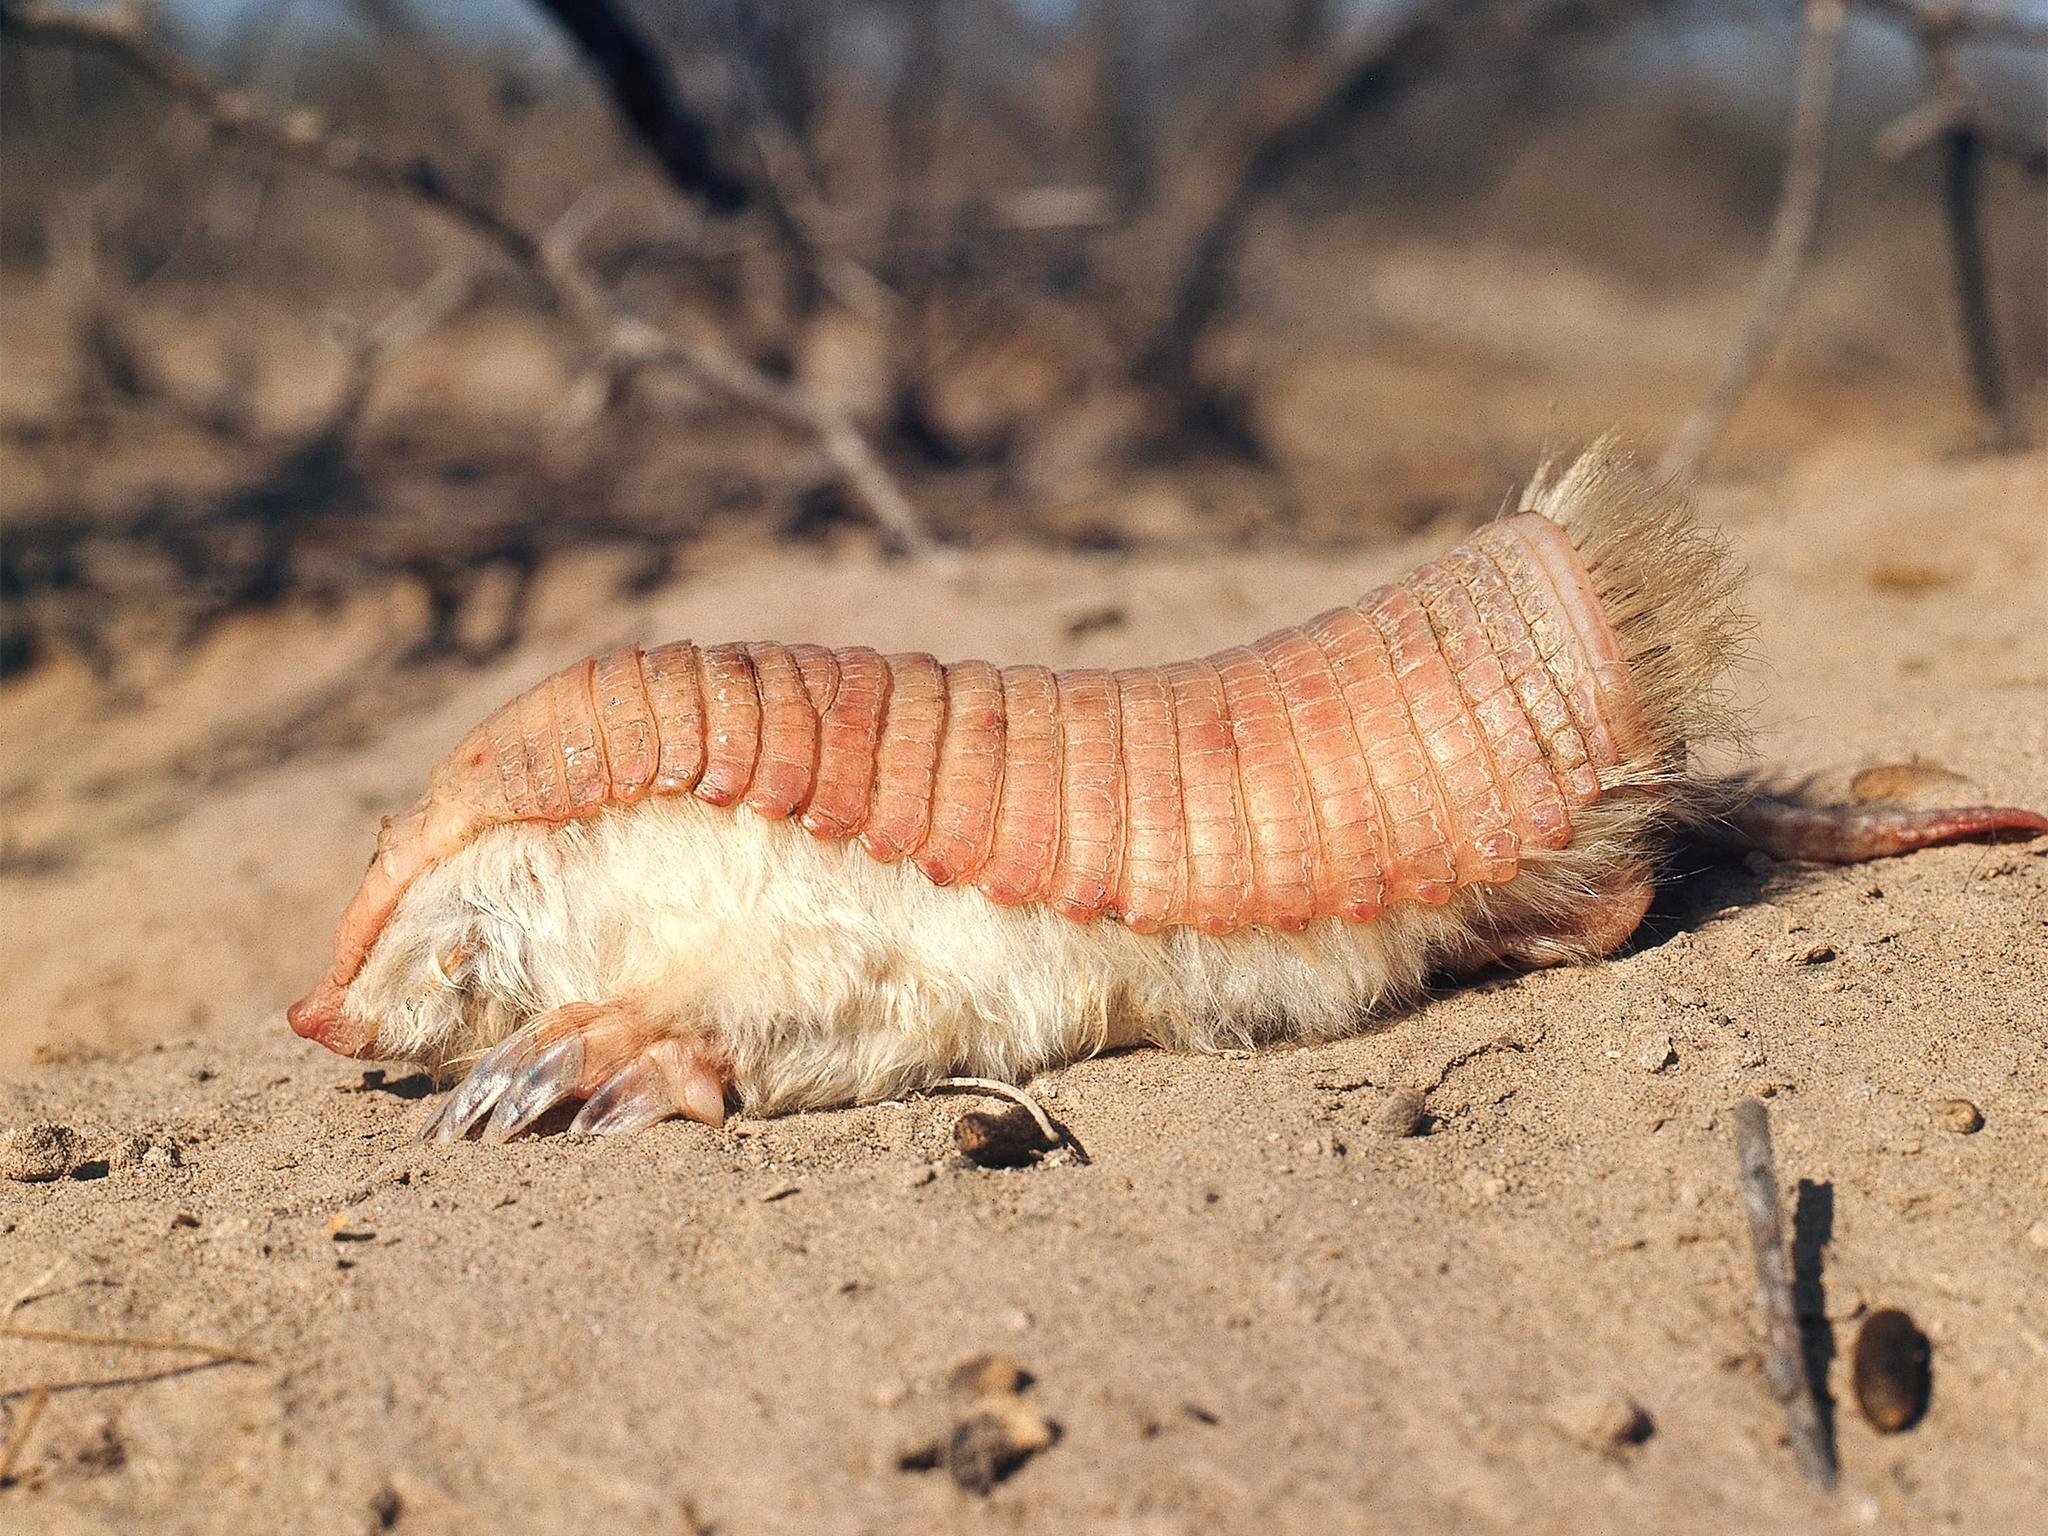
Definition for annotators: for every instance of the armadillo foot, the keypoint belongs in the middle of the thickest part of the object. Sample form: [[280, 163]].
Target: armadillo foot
[[630, 1073], [1600, 926]]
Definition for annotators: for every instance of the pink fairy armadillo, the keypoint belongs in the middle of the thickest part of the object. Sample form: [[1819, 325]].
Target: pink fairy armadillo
[[662, 881]]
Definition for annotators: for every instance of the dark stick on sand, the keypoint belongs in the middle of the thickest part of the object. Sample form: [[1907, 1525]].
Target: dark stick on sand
[[1784, 1364]]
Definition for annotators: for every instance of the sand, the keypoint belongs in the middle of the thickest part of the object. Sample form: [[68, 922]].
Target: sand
[[1248, 1311]]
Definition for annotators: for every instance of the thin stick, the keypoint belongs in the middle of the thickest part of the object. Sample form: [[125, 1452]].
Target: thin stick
[[130, 1379], [302, 137], [1009, 1091], [117, 1341], [17, 1442], [1791, 244], [1784, 1364]]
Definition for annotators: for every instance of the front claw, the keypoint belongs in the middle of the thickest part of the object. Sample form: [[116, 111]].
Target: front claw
[[671, 1077], [631, 1073]]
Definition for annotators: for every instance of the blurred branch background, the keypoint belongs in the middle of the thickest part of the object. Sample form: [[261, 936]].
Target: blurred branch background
[[307, 300]]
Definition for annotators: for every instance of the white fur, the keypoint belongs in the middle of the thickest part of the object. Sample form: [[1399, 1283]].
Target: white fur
[[824, 977]]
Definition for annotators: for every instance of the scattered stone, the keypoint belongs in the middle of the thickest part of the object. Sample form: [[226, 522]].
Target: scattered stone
[[1815, 954], [2037, 1234], [39, 1152], [920, 1175], [995, 1435], [1602, 1420], [1957, 1115], [986, 1446], [1655, 1051], [1007, 1138], [988, 1375], [1401, 1113], [1684, 997], [1893, 1372]]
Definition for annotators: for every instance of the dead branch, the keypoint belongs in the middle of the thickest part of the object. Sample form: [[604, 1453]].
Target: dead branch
[[1953, 119], [1792, 237], [304, 138], [1304, 123], [1784, 1363], [645, 97], [1962, 171], [1381, 74]]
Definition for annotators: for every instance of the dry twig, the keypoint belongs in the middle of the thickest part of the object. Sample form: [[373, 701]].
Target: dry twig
[[39, 1393], [303, 137], [117, 1341], [1301, 125], [1784, 1363], [24, 1426], [1010, 1091], [1791, 242]]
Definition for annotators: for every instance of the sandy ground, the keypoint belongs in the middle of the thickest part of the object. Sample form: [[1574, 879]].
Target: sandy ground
[[1249, 1312]]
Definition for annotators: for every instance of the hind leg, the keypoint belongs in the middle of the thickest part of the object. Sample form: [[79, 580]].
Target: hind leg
[[628, 1071], [1598, 927]]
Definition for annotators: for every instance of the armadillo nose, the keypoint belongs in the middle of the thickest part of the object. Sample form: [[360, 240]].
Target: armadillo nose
[[318, 1017]]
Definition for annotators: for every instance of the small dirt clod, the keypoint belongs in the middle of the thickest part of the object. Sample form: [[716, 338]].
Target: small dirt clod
[[1605, 1421], [1401, 1113], [1655, 1051], [1893, 1372], [1007, 1138], [1957, 1115], [994, 1441], [988, 1375], [39, 1152]]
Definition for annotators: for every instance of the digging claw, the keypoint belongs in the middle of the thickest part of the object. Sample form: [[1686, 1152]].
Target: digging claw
[[630, 1073], [477, 1093], [541, 1084], [632, 1100]]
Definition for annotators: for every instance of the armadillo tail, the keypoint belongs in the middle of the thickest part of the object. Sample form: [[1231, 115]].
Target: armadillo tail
[[1831, 834]]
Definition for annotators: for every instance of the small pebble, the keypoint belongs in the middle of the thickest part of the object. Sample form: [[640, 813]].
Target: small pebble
[[1400, 1113], [780, 1192], [1007, 1138], [2037, 1234], [988, 1375], [985, 1446], [1892, 1371], [1605, 1421], [1957, 1115], [37, 1153], [1655, 1051], [1815, 954]]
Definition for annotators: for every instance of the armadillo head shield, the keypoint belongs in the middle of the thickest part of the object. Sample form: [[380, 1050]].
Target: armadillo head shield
[[407, 845]]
